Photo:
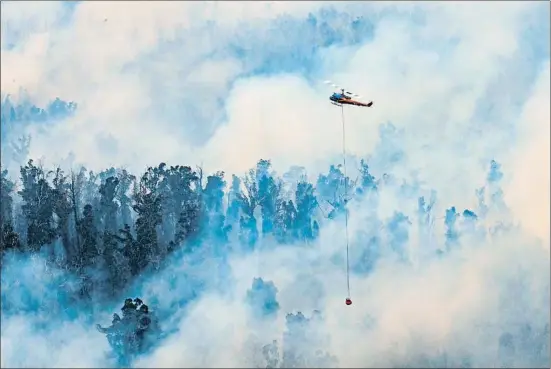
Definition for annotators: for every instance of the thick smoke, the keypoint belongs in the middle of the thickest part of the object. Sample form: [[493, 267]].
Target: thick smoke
[[448, 211]]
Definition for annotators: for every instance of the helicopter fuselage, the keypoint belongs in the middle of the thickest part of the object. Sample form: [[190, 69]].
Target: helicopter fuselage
[[338, 99]]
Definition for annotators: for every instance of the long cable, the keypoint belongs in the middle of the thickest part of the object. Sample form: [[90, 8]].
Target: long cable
[[345, 200]]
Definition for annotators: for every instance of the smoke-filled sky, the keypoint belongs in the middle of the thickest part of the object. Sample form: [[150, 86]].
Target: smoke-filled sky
[[227, 83]]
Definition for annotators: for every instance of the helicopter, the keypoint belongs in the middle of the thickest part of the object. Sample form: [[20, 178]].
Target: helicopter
[[346, 97]]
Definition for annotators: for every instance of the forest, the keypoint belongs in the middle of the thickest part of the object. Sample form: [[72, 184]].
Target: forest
[[110, 228], [109, 231], [172, 193]]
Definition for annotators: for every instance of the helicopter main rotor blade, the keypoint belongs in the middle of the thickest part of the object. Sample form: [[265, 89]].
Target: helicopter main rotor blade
[[332, 84], [350, 93], [353, 94]]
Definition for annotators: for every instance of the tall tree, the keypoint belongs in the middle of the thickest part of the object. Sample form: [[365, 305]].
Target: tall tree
[[6, 202], [248, 232], [306, 205], [63, 209], [450, 221], [9, 239], [367, 181], [38, 207], [148, 207], [108, 206], [213, 198], [89, 236], [115, 261], [286, 222], [176, 188], [268, 195], [126, 181], [234, 201], [335, 189], [90, 265]]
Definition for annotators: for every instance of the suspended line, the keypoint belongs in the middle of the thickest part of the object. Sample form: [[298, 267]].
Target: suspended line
[[345, 200]]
